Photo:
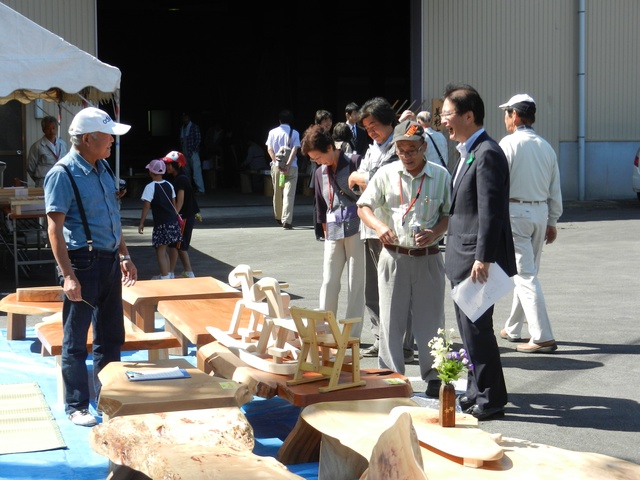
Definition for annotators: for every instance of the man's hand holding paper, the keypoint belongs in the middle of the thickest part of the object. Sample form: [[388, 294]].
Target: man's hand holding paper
[[481, 290]]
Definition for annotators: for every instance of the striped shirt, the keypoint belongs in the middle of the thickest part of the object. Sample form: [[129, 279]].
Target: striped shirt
[[392, 191]]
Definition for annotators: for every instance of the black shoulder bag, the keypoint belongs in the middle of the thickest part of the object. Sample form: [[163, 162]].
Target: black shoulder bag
[[437, 150]]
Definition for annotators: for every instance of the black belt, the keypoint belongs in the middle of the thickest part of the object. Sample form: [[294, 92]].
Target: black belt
[[414, 252], [95, 252], [530, 202]]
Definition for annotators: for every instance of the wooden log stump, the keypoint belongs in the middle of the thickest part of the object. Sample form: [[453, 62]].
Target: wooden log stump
[[203, 444]]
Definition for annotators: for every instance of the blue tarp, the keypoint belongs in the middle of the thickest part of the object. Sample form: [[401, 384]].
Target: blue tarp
[[20, 362]]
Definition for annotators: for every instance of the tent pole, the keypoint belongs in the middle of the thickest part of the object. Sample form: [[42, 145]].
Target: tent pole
[[116, 101]]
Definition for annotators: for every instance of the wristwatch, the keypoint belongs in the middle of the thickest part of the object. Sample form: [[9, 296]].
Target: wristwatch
[[125, 257]]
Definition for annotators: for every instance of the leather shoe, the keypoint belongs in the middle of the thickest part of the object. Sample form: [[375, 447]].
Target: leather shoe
[[466, 403], [485, 413], [433, 388], [544, 347], [287, 226], [505, 335], [408, 355]]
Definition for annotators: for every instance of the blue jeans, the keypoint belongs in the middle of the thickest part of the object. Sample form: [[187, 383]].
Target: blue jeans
[[100, 277]]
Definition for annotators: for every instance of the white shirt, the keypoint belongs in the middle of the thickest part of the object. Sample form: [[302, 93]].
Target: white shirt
[[533, 170]]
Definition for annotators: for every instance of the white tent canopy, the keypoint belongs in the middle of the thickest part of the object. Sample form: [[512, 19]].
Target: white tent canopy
[[36, 63]]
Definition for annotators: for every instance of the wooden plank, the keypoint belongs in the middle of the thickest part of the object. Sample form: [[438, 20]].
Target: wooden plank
[[40, 294], [50, 335]]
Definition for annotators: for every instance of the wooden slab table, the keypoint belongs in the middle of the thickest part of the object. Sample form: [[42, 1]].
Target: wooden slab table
[[342, 436], [18, 306], [140, 300], [119, 396], [188, 319]]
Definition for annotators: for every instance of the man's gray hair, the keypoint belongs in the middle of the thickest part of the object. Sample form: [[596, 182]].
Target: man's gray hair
[[77, 139], [424, 116]]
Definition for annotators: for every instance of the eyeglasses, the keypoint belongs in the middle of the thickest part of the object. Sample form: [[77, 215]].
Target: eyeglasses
[[447, 114], [409, 153]]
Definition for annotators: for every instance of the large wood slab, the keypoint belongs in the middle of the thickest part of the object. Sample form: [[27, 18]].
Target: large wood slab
[[140, 300], [189, 319], [193, 444], [119, 396], [354, 428]]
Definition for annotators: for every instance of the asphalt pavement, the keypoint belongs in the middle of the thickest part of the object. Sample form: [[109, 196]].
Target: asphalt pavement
[[582, 397]]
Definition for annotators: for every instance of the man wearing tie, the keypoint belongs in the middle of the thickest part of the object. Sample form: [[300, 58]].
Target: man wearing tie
[[479, 234], [360, 141]]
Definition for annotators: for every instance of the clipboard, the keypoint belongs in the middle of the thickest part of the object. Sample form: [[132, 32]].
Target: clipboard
[[157, 374]]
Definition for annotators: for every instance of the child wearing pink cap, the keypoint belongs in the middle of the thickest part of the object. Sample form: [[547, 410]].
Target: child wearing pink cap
[[159, 196]]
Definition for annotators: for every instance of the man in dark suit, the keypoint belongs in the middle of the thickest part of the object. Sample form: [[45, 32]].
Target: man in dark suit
[[479, 234], [360, 140]]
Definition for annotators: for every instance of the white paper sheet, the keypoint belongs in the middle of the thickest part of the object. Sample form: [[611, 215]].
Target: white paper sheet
[[475, 298]]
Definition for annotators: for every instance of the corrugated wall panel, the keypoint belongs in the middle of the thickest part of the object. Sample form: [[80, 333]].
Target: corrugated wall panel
[[503, 47], [73, 20], [613, 70]]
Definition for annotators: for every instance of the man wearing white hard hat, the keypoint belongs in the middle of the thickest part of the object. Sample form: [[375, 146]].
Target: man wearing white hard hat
[[92, 258], [535, 204]]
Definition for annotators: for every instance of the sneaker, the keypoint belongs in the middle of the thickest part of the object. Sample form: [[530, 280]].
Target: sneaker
[[171, 275], [83, 418], [156, 277], [408, 355], [372, 351], [187, 275]]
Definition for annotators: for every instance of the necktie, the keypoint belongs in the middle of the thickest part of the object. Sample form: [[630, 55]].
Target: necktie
[[353, 129]]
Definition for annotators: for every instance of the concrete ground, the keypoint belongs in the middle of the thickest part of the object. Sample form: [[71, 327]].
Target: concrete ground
[[583, 397]]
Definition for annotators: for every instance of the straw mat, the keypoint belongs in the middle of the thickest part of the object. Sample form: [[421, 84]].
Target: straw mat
[[26, 421]]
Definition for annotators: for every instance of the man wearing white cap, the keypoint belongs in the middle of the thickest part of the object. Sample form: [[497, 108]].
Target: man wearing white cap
[[93, 261], [535, 204]]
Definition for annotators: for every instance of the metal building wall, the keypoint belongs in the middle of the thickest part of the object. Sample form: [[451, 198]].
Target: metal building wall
[[74, 21], [503, 47]]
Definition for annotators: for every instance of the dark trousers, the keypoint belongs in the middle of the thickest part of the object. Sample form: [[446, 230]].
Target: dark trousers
[[485, 383], [100, 278]]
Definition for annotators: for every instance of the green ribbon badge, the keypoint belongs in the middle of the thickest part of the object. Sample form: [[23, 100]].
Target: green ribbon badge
[[470, 160]]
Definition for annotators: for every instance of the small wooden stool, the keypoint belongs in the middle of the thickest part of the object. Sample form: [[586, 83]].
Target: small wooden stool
[[316, 349]]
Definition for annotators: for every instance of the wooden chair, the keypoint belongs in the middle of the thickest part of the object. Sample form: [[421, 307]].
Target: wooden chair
[[319, 333]]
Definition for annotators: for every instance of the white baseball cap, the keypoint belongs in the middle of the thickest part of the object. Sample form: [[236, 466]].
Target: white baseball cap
[[520, 100], [93, 119]]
